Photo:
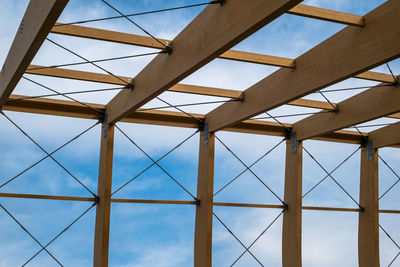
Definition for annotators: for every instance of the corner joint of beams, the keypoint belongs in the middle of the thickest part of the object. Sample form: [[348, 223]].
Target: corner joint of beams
[[367, 143], [203, 127]]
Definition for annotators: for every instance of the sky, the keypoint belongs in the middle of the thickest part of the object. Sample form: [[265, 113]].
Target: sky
[[162, 235]]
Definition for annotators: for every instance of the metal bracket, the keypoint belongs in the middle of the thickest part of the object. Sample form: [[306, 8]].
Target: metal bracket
[[294, 142], [370, 150], [105, 125], [285, 207], [362, 210], [131, 84], [205, 141]]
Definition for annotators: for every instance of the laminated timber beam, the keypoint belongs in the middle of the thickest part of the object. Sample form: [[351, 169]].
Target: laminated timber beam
[[180, 88], [386, 136], [215, 30], [165, 118], [347, 53], [368, 222], [291, 233], [36, 24], [205, 195], [103, 208], [368, 105]]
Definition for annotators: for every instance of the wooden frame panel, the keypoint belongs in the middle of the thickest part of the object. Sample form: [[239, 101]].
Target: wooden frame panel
[[347, 53], [36, 24], [215, 30]]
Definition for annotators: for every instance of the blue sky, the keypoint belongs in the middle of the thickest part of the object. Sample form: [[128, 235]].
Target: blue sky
[[162, 235]]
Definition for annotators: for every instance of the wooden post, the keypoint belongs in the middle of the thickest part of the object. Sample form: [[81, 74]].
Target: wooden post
[[204, 211], [291, 233], [368, 225], [102, 230]]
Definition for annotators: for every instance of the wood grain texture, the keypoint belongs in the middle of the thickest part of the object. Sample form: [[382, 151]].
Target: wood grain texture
[[291, 232], [103, 209], [327, 14], [38, 19], [215, 30], [204, 211], [368, 224], [386, 136], [347, 53], [368, 105]]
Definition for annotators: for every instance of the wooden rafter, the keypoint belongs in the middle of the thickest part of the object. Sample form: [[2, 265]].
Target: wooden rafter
[[386, 136], [368, 105], [215, 30], [347, 53], [36, 24]]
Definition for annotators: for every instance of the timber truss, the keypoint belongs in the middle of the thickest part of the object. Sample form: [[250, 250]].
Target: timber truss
[[365, 43]]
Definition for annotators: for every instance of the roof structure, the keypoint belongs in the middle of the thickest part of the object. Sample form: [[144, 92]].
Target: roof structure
[[294, 101]]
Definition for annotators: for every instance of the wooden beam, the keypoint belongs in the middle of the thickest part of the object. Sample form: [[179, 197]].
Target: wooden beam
[[166, 118], [368, 224], [47, 197], [153, 201], [386, 136], [145, 41], [248, 205], [180, 88], [216, 29], [368, 105], [103, 210], [291, 232], [347, 53], [330, 209], [204, 211], [327, 14], [36, 24]]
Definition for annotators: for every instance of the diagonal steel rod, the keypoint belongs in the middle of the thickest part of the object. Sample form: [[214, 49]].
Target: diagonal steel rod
[[326, 176], [136, 14], [26, 230], [247, 168], [50, 156], [391, 169], [259, 236], [244, 164], [134, 23], [237, 239], [57, 236], [322, 167], [54, 91], [95, 61], [45, 157], [154, 163], [87, 60]]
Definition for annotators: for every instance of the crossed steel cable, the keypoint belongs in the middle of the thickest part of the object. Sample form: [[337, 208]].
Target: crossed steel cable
[[156, 162]]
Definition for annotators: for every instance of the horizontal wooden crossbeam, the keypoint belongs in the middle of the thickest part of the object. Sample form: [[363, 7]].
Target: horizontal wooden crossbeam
[[48, 197], [140, 40], [180, 88], [165, 118]]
